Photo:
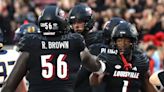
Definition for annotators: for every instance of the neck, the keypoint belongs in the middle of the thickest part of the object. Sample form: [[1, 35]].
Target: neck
[[128, 56]]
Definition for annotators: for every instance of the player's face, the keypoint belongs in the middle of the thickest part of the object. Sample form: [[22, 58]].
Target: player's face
[[123, 44], [78, 26]]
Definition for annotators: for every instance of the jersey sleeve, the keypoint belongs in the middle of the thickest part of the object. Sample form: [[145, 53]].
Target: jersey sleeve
[[107, 59], [28, 43], [94, 38], [78, 41], [94, 49], [142, 62]]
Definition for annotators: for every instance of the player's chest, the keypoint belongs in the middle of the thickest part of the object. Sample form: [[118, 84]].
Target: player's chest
[[118, 70]]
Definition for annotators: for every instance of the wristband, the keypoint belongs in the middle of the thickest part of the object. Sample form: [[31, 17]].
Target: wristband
[[102, 68]]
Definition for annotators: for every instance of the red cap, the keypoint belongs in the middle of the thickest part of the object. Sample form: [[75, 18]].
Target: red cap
[[148, 37], [159, 36]]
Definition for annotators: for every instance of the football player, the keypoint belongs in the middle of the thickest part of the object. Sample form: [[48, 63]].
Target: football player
[[81, 20], [127, 69], [104, 47], [7, 60]]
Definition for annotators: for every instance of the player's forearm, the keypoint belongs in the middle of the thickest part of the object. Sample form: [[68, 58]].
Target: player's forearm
[[90, 61], [8, 86], [6, 89], [96, 79], [17, 74]]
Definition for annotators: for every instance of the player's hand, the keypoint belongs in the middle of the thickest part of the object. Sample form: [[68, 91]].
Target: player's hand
[[95, 79]]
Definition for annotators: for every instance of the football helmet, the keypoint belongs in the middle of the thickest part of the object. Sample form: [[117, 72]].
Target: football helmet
[[108, 28], [52, 21], [125, 30], [25, 29], [82, 13]]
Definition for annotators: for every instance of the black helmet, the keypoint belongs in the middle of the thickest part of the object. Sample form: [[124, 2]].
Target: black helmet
[[108, 28], [125, 29], [52, 21], [82, 12], [25, 29]]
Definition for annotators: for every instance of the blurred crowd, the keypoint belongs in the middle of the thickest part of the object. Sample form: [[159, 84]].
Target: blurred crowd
[[146, 15]]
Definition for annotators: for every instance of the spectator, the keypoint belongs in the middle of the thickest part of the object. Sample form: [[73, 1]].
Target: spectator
[[149, 51]]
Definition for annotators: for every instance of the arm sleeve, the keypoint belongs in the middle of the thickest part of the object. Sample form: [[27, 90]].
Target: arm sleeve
[[107, 60]]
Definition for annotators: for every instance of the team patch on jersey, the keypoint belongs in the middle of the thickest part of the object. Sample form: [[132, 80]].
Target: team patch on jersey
[[118, 66], [126, 74]]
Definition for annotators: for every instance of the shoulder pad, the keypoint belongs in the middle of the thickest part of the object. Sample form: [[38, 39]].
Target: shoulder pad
[[77, 36], [140, 59], [98, 48], [109, 58], [94, 37], [77, 40], [74, 36], [29, 42]]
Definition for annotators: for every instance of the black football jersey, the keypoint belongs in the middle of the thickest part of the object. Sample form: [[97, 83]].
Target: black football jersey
[[98, 48], [53, 61], [120, 80], [93, 38]]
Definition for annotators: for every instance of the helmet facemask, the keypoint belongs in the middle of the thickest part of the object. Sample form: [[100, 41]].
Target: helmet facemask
[[81, 13], [124, 36], [124, 46]]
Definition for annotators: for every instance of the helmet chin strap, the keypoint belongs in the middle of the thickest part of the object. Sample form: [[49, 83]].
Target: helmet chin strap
[[127, 65], [125, 57]]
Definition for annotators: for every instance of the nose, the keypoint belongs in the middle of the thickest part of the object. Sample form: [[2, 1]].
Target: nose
[[76, 24], [123, 42]]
